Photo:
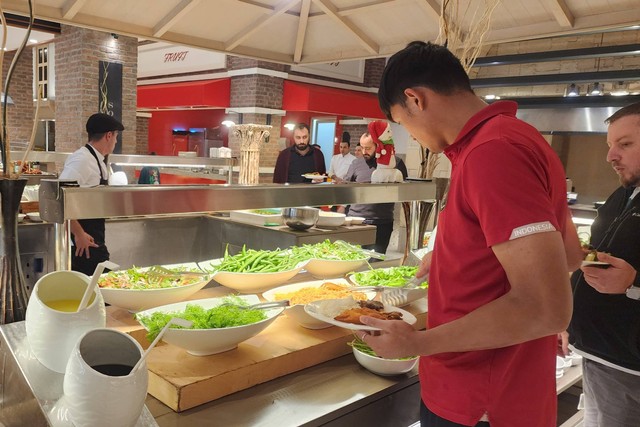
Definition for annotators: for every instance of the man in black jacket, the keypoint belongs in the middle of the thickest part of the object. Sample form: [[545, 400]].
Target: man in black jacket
[[605, 327]]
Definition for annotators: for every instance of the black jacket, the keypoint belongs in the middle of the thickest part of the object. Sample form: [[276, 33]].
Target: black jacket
[[608, 326]]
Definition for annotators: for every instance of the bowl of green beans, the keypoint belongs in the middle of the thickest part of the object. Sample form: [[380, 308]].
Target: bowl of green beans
[[253, 271]]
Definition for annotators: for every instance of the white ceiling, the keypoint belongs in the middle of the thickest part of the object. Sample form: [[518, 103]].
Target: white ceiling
[[312, 31], [16, 35]]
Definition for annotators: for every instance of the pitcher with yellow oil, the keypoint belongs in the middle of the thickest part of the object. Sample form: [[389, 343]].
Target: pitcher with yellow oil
[[53, 323]]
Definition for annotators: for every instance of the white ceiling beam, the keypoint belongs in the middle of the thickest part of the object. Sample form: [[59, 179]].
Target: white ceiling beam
[[431, 8], [266, 8], [259, 24], [171, 18], [562, 13], [71, 7], [367, 7], [302, 30], [328, 8]]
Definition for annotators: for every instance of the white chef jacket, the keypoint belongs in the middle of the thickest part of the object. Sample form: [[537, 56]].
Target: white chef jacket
[[340, 164]]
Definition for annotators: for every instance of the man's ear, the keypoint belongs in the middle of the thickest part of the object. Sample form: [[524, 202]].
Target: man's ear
[[416, 98]]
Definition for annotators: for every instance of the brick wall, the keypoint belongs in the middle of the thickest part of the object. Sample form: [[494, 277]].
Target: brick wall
[[77, 56], [373, 69], [269, 150], [256, 91], [356, 132], [142, 135], [20, 115]]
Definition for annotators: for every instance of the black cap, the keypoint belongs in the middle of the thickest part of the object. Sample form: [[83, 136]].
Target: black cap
[[102, 123]]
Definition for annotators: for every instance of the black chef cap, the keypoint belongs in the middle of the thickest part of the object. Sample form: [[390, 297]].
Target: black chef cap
[[102, 123]]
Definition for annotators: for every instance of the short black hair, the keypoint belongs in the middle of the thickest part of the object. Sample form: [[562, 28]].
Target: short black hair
[[421, 64], [629, 110], [302, 126]]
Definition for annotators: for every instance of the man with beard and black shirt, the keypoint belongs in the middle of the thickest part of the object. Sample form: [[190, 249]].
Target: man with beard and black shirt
[[379, 214], [299, 159]]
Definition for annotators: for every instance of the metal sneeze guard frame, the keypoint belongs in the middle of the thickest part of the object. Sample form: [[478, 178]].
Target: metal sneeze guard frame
[[61, 201]]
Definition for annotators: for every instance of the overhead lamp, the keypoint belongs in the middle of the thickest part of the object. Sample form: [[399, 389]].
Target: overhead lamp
[[228, 123], [490, 97], [596, 89], [620, 89], [572, 90], [290, 126]]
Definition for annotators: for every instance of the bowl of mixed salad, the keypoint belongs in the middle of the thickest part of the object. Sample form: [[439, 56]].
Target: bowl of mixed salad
[[218, 324], [331, 259], [379, 365], [392, 278], [137, 288]]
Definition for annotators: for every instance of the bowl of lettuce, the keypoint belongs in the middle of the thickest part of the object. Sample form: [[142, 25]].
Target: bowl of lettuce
[[218, 323], [379, 365], [328, 259], [137, 289], [392, 278]]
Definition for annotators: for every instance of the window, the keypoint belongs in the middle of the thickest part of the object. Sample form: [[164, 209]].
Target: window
[[43, 72]]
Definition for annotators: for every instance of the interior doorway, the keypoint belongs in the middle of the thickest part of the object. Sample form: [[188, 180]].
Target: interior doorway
[[323, 133]]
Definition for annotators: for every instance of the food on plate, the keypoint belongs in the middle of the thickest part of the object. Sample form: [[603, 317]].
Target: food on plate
[[591, 256], [137, 278], [325, 291], [367, 308], [328, 250], [222, 316], [266, 211], [391, 277]]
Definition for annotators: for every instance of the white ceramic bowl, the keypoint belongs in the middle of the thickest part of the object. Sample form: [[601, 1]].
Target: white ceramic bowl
[[356, 220], [34, 216], [203, 342], [330, 219], [250, 283], [21, 217], [52, 334], [141, 299], [327, 268], [386, 367], [96, 399], [395, 296], [296, 312]]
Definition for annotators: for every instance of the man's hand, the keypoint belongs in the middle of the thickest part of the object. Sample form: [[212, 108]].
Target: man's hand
[[425, 265], [612, 280], [563, 344], [83, 242], [396, 339]]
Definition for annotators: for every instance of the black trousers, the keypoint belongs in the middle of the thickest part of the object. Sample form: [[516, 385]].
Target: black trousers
[[383, 235], [429, 419]]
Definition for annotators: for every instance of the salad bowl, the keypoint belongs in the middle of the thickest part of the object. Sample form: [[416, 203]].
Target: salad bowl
[[141, 296], [203, 342], [396, 279]]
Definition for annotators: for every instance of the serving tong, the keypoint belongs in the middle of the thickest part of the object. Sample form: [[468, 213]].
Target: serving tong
[[395, 296], [260, 305], [159, 271]]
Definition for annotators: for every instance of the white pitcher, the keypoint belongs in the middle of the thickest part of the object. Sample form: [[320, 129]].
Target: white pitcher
[[53, 333], [99, 399]]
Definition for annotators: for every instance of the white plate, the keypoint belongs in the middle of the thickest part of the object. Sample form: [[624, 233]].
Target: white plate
[[297, 311], [316, 177], [312, 310], [595, 264], [203, 342]]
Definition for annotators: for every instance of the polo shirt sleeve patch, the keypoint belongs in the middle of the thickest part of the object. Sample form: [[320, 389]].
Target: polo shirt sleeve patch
[[506, 187], [527, 230]]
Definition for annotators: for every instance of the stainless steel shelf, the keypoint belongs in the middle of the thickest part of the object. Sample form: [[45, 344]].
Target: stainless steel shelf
[[61, 200]]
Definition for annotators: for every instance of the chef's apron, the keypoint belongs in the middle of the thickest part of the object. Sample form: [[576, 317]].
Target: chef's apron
[[95, 228]]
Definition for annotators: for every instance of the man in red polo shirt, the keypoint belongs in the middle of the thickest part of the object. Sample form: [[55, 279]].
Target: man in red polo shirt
[[498, 284]]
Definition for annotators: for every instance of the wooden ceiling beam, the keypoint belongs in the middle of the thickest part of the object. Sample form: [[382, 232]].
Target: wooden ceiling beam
[[259, 24], [302, 30], [71, 7], [330, 9], [561, 13], [431, 8], [367, 7], [176, 14]]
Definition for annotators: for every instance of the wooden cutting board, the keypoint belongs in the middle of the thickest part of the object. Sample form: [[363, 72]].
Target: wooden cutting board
[[182, 381]]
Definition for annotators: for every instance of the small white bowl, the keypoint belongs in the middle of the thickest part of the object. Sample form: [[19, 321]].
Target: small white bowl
[[203, 342], [386, 367], [330, 219], [21, 217], [357, 220], [34, 216]]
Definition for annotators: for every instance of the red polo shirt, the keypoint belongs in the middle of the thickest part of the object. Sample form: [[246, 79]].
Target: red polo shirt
[[506, 183]]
